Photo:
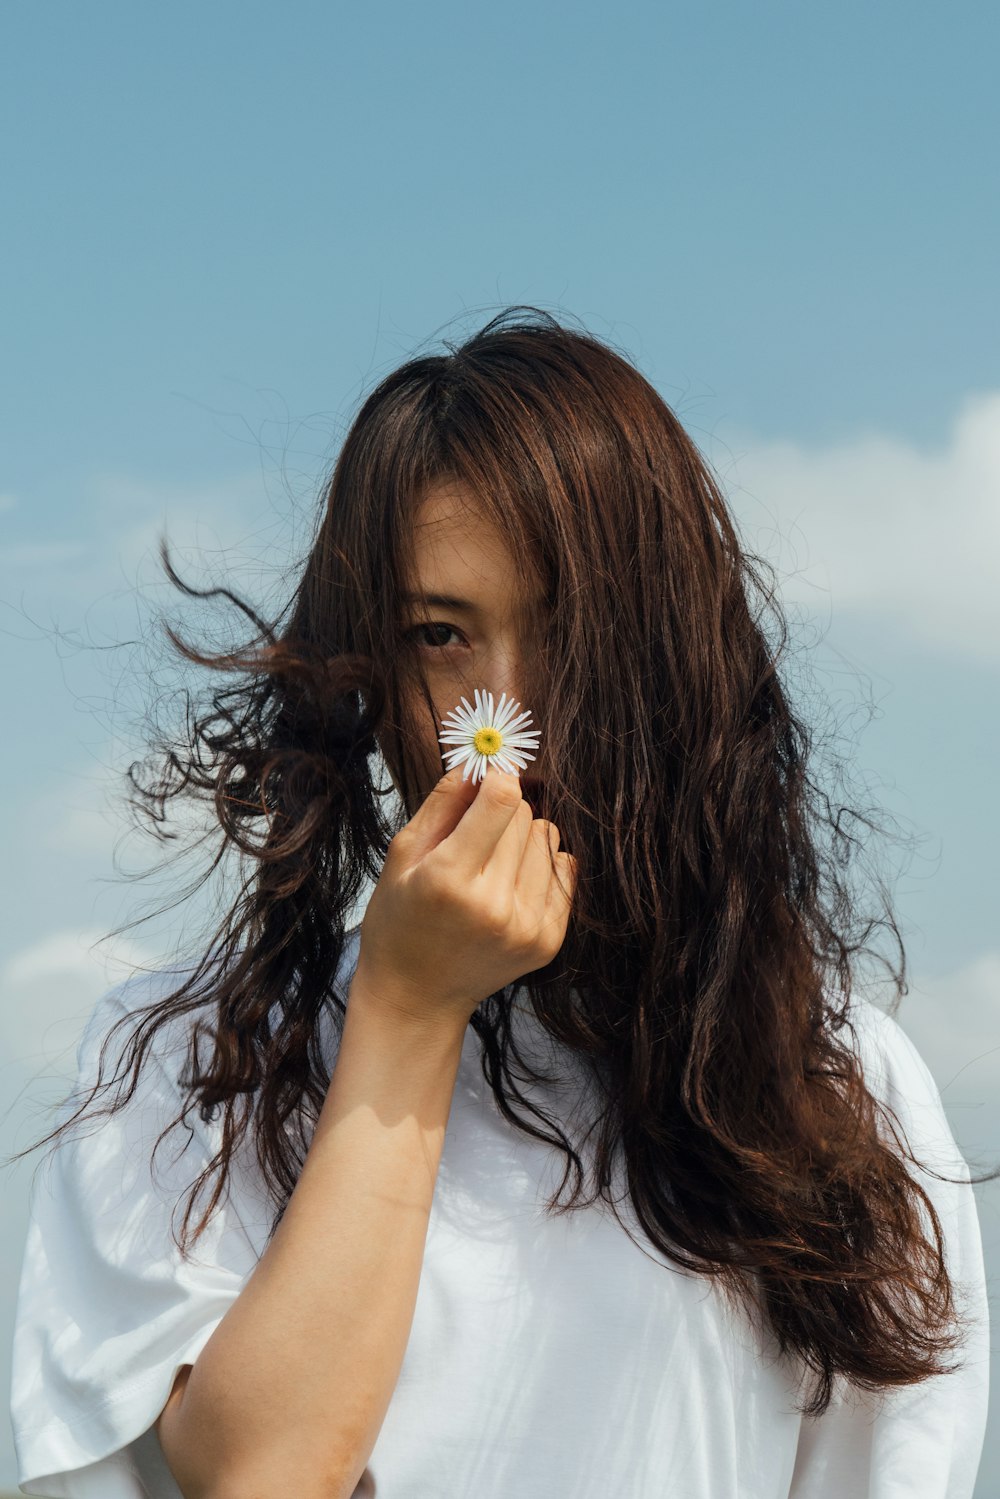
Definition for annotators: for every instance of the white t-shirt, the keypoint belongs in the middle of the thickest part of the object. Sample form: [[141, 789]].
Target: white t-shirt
[[548, 1356]]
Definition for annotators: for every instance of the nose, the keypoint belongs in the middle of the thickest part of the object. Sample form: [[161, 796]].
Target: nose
[[503, 673], [502, 665], [508, 676]]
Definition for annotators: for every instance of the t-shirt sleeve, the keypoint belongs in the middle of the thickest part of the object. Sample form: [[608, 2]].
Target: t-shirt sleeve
[[108, 1310], [920, 1441]]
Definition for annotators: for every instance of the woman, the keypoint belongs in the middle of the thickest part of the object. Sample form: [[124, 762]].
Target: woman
[[767, 1280]]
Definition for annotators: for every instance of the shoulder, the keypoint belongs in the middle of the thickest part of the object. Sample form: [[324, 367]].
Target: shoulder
[[117, 1014], [887, 1053], [898, 1077], [142, 998]]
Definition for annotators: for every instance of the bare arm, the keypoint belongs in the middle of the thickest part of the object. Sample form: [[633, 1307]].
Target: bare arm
[[290, 1392]]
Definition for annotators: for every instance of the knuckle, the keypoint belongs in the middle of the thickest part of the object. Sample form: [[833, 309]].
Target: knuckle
[[555, 932], [544, 949], [399, 842], [505, 788], [497, 916]]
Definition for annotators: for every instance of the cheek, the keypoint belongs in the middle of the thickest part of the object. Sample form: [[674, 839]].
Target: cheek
[[425, 745], [446, 688]]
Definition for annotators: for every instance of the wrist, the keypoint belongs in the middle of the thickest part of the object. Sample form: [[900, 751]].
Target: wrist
[[404, 1007]]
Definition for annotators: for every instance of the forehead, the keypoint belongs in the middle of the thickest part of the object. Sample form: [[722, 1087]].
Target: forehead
[[455, 549]]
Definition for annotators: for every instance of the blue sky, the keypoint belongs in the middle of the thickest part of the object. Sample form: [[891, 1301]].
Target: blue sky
[[223, 224]]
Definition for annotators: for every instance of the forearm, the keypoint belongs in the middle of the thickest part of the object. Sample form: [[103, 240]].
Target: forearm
[[291, 1390]]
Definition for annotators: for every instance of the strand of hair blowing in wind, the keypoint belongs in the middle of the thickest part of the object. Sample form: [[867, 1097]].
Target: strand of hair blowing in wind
[[708, 963]]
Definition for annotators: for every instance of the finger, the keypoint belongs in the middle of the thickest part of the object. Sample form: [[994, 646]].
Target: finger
[[440, 812], [504, 862], [474, 839], [562, 887], [567, 871], [535, 873]]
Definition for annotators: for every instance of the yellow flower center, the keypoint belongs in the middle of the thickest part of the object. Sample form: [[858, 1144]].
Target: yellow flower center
[[487, 741]]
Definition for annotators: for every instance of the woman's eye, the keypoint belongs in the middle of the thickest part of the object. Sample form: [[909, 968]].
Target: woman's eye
[[429, 629]]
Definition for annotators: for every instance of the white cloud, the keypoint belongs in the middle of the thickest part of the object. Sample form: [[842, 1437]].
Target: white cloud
[[881, 527], [954, 1022], [85, 811], [42, 554], [874, 525], [61, 955], [48, 990], [108, 565]]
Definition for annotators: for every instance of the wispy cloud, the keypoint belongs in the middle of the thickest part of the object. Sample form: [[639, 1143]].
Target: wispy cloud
[[906, 536], [49, 988], [106, 563], [42, 554], [954, 1021]]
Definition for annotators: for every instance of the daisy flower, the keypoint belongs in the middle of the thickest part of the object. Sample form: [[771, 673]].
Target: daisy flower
[[479, 737]]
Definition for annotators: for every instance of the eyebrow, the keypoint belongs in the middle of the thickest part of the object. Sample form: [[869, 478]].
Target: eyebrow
[[448, 601], [442, 600]]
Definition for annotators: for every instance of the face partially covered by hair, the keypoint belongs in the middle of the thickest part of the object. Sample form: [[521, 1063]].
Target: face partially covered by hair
[[468, 618]]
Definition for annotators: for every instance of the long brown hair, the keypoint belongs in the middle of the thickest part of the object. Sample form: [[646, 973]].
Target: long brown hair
[[707, 969]]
